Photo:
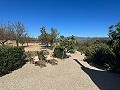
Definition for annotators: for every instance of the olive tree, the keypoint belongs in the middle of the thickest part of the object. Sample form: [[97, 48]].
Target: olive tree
[[20, 32], [48, 38], [6, 33]]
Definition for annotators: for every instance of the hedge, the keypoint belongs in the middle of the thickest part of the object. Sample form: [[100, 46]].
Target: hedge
[[10, 58], [100, 54]]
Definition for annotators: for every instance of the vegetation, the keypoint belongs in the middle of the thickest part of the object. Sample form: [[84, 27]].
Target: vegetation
[[10, 58], [84, 44], [59, 52], [46, 38], [114, 34], [100, 54], [107, 54], [104, 52], [14, 31], [20, 33], [66, 45], [6, 33], [41, 55]]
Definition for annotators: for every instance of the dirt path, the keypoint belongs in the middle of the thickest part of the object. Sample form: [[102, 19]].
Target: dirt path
[[69, 74]]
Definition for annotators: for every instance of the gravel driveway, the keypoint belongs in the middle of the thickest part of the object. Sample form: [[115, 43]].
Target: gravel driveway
[[69, 74]]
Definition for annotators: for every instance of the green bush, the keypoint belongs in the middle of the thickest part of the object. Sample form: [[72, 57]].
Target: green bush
[[71, 48], [59, 52], [30, 54], [69, 44], [82, 49], [114, 34], [41, 55], [10, 58], [100, 54], [116, 50]]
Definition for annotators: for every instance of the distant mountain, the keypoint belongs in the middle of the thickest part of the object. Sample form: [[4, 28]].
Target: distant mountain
[[88, 38], [82, 38]]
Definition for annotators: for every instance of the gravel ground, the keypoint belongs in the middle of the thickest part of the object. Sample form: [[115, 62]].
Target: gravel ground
[[33, 47], [67, 75]]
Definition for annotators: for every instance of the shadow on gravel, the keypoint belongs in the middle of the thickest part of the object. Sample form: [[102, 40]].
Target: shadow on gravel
[[104, 80]]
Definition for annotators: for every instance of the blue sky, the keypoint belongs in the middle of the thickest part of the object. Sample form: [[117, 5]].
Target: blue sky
[[84, 18]]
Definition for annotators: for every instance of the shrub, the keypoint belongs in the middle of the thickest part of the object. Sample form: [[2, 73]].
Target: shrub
[[10, 58], [59, 52], [41, 55], [45, 52], [69, 44], [116, 50], [100, 54], [30, 54], [114, 34], [71, 48], [82, 49]]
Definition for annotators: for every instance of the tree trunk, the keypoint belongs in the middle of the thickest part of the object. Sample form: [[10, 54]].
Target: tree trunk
[[27, 43], [3, 42], [17, 43], [47, 45]]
